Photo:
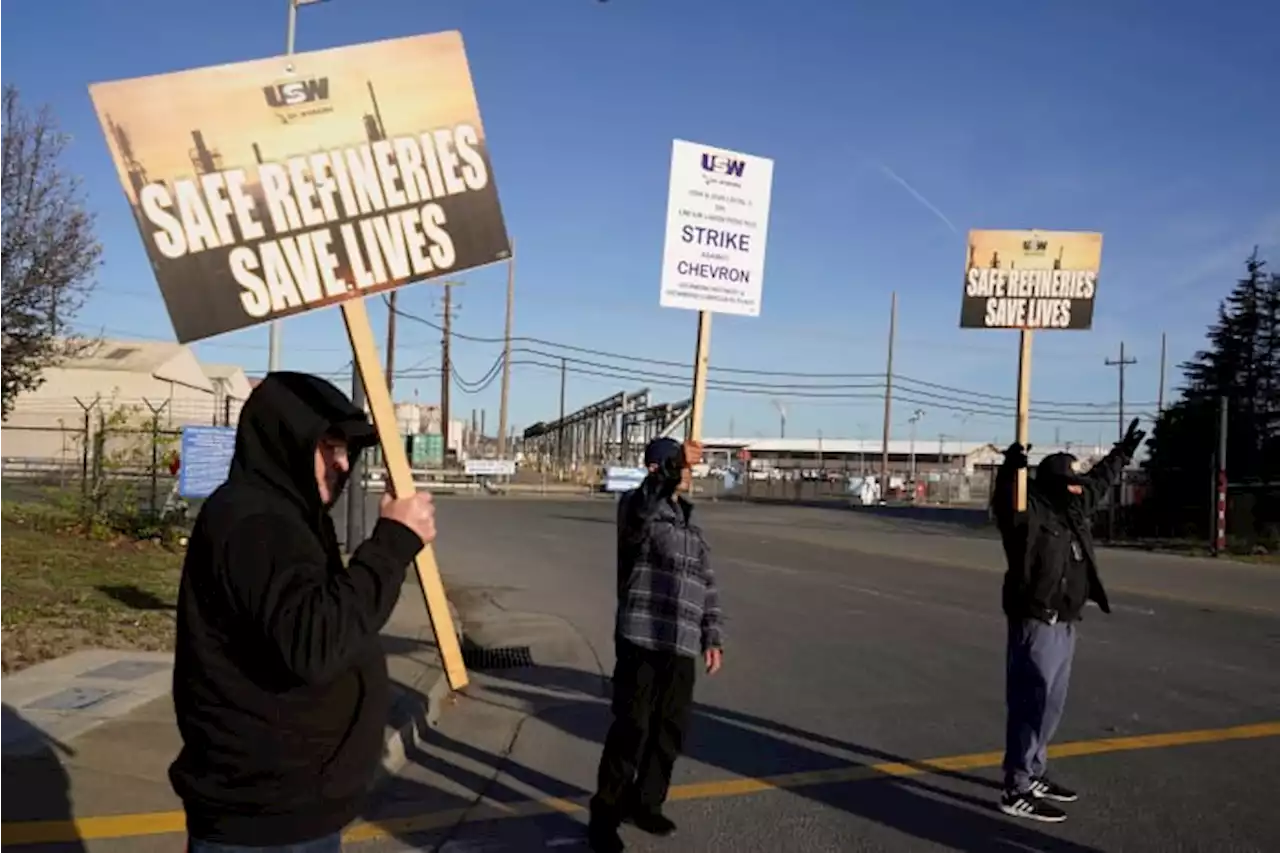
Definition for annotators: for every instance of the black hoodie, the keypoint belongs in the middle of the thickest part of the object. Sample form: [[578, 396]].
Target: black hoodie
[[280, 684]]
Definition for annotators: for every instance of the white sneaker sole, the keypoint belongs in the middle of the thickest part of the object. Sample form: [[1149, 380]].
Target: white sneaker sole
[[1026, 812], [1041, 793]]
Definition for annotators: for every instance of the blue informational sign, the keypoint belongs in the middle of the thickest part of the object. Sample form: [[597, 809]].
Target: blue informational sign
[[206, 459], [623, 479]]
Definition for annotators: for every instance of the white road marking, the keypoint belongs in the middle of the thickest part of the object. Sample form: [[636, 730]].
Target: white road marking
[[752, 565]]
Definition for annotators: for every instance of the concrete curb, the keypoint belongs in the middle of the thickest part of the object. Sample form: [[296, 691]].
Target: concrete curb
[[410, 717]]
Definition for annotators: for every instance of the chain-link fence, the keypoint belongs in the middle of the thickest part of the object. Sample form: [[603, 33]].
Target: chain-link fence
[[1186, 515], [117, 467], [945, 488]]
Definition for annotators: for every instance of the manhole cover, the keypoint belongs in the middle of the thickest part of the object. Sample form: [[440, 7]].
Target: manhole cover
[[127, 670], [71, 699], [498, 657]]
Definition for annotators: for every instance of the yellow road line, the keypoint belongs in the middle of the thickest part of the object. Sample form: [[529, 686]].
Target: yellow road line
[[163, 823]]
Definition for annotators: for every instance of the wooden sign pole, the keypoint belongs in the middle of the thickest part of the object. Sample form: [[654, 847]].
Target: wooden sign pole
[[1024, 413], [365, 351], [701, 357]]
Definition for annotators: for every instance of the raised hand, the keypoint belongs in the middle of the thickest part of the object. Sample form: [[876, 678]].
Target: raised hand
[[1132, 439], [1016, 455]]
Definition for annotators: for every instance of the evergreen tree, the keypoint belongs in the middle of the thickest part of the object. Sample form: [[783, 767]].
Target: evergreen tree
[[1241, 362]]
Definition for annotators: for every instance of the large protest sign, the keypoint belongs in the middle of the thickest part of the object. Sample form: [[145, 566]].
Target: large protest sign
[[268, 188], [1031, 279], [717, 223]]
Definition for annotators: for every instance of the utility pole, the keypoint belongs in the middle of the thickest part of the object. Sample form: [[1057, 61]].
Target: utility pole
[[391, 345], [506, 354], [1120, 364], [888, 397], [355, 481], [446, 367], [564, 372], [1160, 396]]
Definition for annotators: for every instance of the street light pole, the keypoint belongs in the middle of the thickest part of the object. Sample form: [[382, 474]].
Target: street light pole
[[913, 420], [273, 340]]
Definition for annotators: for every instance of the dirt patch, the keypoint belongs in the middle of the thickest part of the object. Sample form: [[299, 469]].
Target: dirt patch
[[63, 592]]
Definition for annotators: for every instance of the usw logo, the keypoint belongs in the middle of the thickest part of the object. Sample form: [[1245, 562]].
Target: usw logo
[[723, 165], [297, 92]]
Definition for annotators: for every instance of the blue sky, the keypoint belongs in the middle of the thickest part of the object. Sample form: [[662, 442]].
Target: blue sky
[[895, 127]]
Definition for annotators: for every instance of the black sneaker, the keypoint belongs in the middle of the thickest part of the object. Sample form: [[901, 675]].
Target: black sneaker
[[1046, 790], [604, 838], [1027, 805], [652, 822]]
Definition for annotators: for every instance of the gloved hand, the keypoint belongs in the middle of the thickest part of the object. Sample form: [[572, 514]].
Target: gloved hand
[[1132, 439], [672, 469], [1016, 455]]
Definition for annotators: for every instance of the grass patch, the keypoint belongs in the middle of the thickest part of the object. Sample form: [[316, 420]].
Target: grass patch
[[64, 591]]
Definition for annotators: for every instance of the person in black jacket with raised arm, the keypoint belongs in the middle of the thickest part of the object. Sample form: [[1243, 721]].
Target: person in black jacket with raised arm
[[280, 683], [1052, 573]]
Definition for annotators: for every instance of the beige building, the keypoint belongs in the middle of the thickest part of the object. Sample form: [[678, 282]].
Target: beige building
[[128, 380]]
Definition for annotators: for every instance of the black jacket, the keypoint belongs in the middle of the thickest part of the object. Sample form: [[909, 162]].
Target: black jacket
[[1037, 543], [280, 684]]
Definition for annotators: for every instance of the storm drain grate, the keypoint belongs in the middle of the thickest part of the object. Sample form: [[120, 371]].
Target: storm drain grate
[[498, 657]]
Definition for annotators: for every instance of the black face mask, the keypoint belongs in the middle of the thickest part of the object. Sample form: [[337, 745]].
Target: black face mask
[[1054, 490]]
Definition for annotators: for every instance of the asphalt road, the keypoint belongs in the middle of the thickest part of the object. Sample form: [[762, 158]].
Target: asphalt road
[[853, 641]]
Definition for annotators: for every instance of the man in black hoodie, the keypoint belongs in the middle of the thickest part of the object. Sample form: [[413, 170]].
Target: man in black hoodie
[[1052, 573], [280, 684]]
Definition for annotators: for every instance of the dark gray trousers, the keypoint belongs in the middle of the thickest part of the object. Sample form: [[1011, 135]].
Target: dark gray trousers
[[1038, 670]]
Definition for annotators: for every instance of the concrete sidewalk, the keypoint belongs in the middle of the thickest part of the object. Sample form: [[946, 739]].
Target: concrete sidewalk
[[88, 738]]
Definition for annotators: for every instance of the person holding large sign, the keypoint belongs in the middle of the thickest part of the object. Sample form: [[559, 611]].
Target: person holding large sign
[[280, 682], [273, 187], [1052, 573]]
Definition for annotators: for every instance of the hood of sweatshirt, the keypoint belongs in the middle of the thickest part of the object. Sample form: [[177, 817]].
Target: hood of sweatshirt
[[280, 425]]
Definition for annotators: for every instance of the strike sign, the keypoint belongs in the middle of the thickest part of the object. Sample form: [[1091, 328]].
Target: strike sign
[[1030, 279], [717, 222]]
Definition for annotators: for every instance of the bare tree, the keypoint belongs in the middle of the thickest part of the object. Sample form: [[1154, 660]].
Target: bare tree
[[49, 249]]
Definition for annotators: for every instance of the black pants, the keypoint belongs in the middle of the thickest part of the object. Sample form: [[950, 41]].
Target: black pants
[[652, 699]]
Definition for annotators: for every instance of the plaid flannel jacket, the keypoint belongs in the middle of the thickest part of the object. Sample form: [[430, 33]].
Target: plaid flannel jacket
[[667, 596]]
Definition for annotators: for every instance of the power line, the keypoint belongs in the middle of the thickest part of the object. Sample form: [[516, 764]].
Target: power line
[[630, 357], [664, 380], [782, 388]]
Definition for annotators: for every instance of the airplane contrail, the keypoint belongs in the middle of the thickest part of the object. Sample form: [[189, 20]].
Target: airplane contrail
[[900, 181]]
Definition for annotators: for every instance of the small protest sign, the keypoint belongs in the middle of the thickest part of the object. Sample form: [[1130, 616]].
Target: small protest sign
[[717, 224], [272, 187], [1031, 279]]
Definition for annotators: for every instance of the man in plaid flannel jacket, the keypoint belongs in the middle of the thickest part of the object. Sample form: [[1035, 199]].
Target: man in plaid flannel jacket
[[668, 619]]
